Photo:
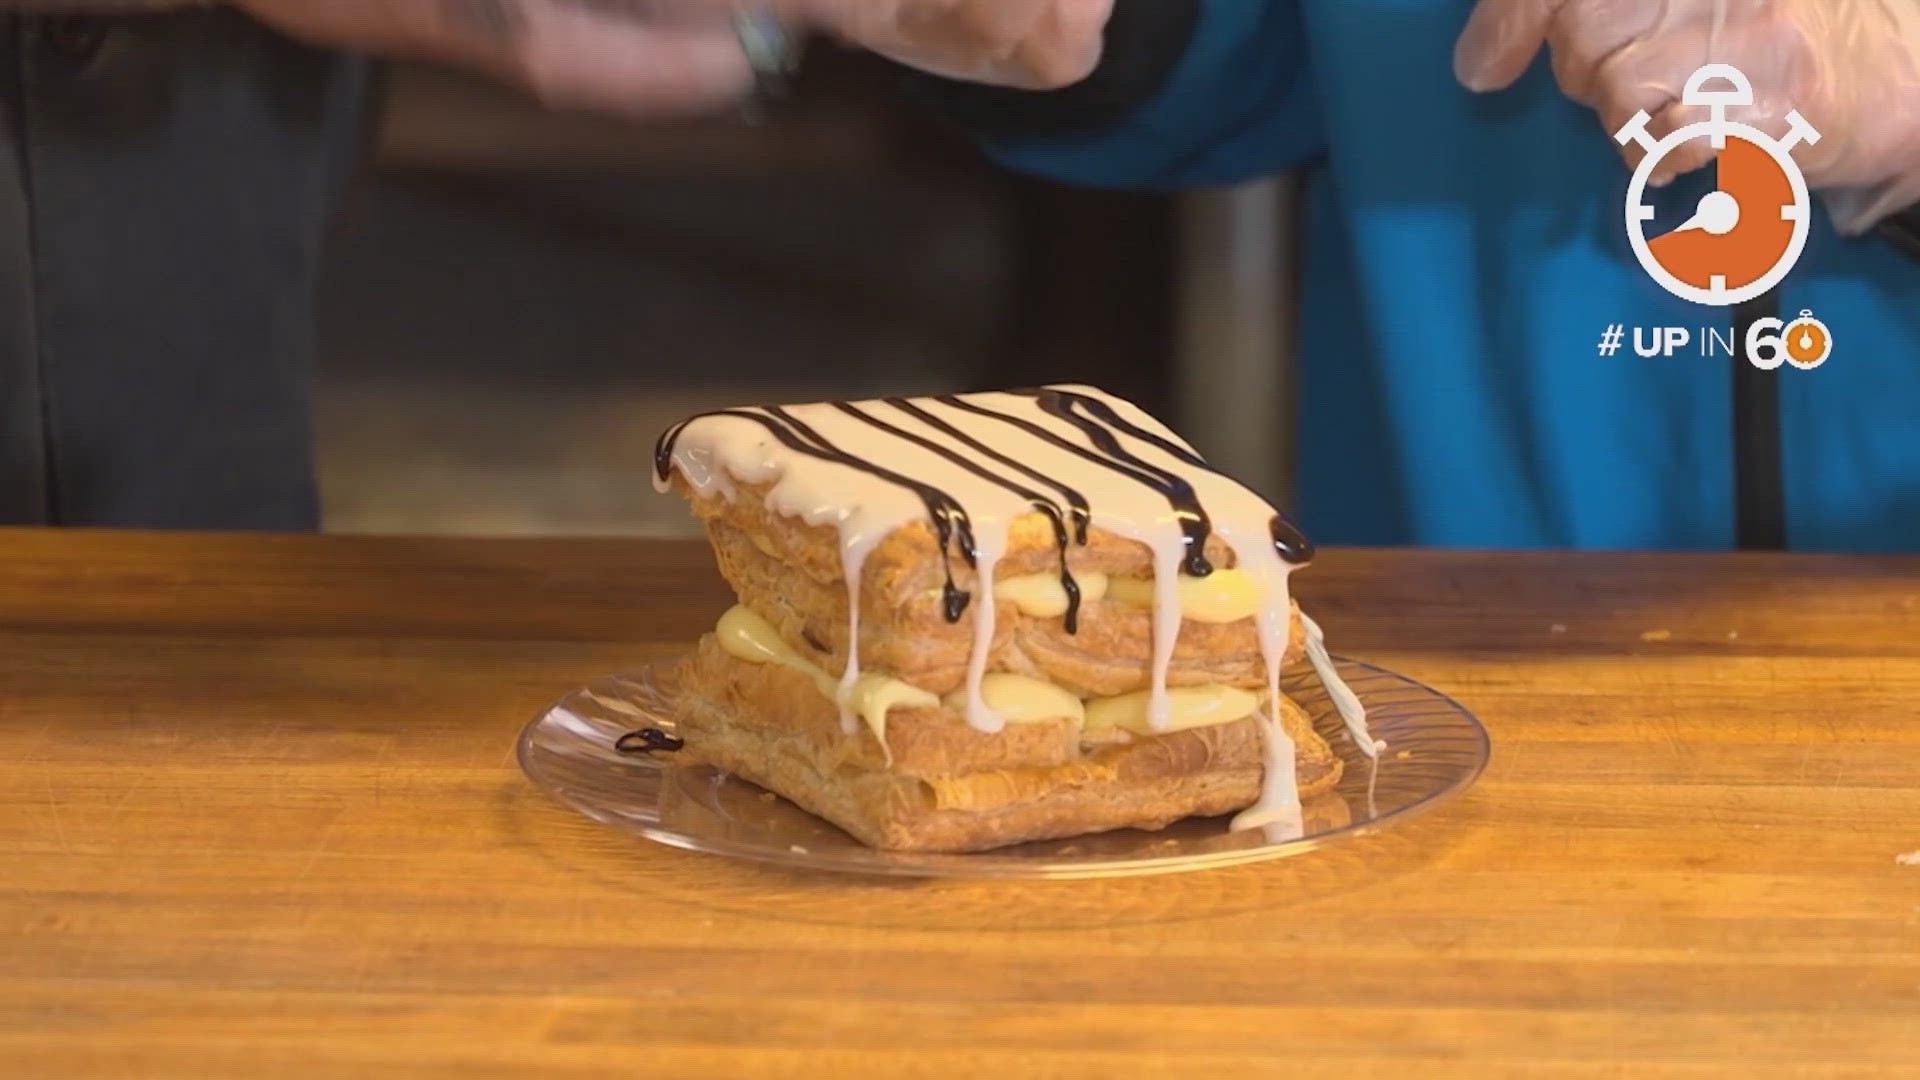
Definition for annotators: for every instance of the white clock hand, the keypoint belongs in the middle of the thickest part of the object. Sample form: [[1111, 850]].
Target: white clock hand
[[1717, 213]]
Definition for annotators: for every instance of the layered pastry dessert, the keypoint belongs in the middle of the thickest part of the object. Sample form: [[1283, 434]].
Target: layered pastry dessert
[[974, 620]]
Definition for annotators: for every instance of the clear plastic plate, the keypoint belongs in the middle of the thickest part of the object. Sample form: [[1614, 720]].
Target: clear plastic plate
[[1435, 749]]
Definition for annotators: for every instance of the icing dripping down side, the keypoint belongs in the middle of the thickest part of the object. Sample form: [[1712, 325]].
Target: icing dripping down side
[[747, 636], [1278, 809], [979, 714], [853, 562], [1347, 703]]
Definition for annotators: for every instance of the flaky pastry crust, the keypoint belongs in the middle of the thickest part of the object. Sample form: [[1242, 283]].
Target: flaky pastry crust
[[951, 788]]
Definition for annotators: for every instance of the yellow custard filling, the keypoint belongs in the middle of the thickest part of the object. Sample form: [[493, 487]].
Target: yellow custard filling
[[1224, 596], [1021, 699], [1190, 707], [747, 636], [1042, 596], [1015, 698]]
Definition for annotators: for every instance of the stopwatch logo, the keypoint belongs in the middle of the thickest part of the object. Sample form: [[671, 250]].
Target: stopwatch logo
[[1805, 343], [1747, 234]]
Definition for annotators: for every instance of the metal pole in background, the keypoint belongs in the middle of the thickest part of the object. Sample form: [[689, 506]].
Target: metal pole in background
[[1233, 379], [1759, 495]]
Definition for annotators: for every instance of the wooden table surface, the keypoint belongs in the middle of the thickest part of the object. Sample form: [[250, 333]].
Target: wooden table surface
[[259, 816]]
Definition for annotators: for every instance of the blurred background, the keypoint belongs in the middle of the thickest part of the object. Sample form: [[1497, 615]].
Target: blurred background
[[518, 303]]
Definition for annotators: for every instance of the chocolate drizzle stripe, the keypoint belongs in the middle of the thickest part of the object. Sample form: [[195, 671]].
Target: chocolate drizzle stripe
[[663, 449], [1050, 438], [1288, 540], [1195, 527], [1096, 419], [1035, 498], [1039, 502], [950, 520], [1082, 510], [956, 524], [962, 524], [1106, 414], [647, 741]]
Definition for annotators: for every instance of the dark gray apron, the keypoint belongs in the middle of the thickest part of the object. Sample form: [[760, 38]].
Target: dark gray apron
[[165, 185]]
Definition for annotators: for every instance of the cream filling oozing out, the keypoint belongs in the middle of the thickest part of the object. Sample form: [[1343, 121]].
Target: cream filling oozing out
[[1042, 596], [1222, 597], [1191, 707], [745, 635], [1225, 596], [1022, 699]]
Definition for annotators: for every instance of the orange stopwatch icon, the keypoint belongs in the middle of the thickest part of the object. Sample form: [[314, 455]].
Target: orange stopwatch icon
[[1807, 342], [1746, 235]]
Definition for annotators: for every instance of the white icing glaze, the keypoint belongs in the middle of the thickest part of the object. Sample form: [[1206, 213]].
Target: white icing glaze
[[1279, 811], [990, 548], [815, 474], [1166, 629], [853, 557], [1345, 701]]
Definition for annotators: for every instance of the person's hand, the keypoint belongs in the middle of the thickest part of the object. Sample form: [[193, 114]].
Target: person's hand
[[1029, 44], [1850, 67], [605, 54]]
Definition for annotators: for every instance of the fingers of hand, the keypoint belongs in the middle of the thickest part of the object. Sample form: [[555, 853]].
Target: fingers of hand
[[613, 55], [1066, 45], [576, 58], [1685, 158], [1038, 44], [1032, 44], [1650, 73], [1592, 40], [1855, 210], [1501, 39], [1857, 82], [435, 26]]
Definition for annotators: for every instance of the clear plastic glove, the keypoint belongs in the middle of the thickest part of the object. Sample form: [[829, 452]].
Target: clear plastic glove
[[615, 55], [1851, 68], [1029, 44]]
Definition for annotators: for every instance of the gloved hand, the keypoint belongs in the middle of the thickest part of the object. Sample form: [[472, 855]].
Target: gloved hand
[[1851, 68], [606, 54], [1029, 44]]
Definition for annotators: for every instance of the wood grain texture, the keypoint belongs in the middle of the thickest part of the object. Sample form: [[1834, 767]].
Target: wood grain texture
[[258, 816]]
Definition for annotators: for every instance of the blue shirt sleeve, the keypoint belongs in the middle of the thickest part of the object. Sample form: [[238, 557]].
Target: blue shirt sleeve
[[1239, 105]]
